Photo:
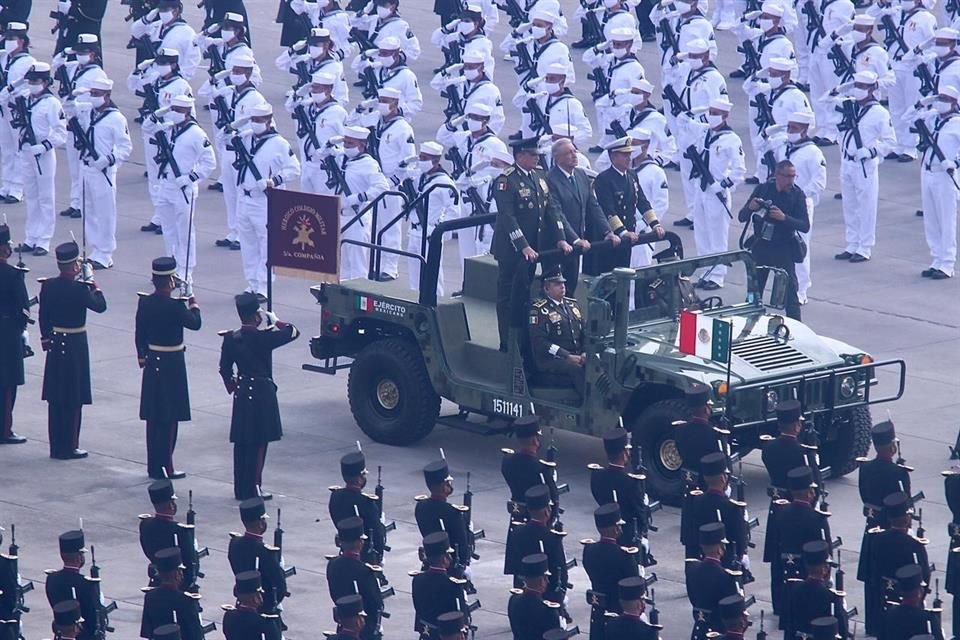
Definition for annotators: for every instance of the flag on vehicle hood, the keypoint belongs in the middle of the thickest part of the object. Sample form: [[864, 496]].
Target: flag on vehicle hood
[[704, 337]]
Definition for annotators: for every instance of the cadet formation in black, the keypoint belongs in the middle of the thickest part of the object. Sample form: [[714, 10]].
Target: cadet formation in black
[[807, 581]]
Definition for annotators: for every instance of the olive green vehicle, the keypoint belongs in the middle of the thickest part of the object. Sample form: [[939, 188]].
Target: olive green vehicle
[[409, 350]]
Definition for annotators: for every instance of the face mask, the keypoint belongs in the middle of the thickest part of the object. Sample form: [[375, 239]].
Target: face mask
[[176, 117], [609, 4], [941, 106], [471, 74], [237, 79], [942, 50], [425, 165], [696, 63], [37, 89], [258, 127], [351, 152], [794, 137], [383, 108], [714, 120], [11, 45], [316, 52], [538, 32], [164, 69], [776, 82], [97, 101], [84, 59], [319, 97], [682, 7], [228, 34], [858, 36], [466, 27], [166, 16], [858, 94], [551, 87], [766, 24], [633, 99], [474, 125], [386, 61], [620, 53], [384, 12]]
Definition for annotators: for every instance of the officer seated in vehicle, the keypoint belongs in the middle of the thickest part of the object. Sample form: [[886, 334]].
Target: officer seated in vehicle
[[556, 336]]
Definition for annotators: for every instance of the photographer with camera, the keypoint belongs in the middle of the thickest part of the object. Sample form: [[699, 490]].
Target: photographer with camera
[[778, 211]]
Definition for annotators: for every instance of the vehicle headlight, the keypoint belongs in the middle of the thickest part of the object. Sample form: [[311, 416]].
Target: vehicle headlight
[[848, 387], [772, 399]]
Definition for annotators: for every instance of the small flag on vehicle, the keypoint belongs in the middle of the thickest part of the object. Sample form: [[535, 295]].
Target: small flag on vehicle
[[704, 336]]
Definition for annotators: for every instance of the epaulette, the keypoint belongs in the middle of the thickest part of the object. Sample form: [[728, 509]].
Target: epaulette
[[50, 572], [374, 567], [677, 423], [723, 432], [570, 299], [547, 463], [143, 294], [194, 596], [421, 497], [586, 541], [516, 591], [145, 516], [224, 332], [906, 468], [781, 502], [630, 550], [562, 534], [823, 513], [372, 496], [228, 607], [737, 503], [875, 530], [270, 547], [270, 616], [234, 534], [329, 634], [517, 523], [459, 507], [539, 303], [733, 572], [414, 574], [334, 487], [507, 451], [458, 581], [690, 560], [839, 594], [636, 476], [593, 466], [795, 579], [695, 492], [42, 280], [714, 634], [610, 615], [146, 589], [863, 459], [24, 269], [811, 447], [509, 170], [331, 556], [923, 541], [766, 437], [950, 472], [551, 604]]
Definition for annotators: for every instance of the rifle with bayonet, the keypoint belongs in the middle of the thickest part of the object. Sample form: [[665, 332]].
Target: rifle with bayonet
[[676, 103], [892, 35], [151, 99], [848, 122], [701, 170], [592, 29], [137, 9], [668, 40], [306, 131], [815, 30], [336, 179], [145, 47], [191, 549], [840, 610], [539, 123], [165, 158], [472, 534], [553, 455], [278, 546], [84, 144], [455, 103], [102, 621], [601, 83], [21, 120], [927, 141], [749, 524], [244, 159], [751, 59], [378, 541], [12, 601], [842, 65], [928, 84], [516, 14]]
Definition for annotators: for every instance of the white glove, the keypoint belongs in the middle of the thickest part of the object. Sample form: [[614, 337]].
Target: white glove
[[745, 561], [271, 317], [714, 188], [862, 154], [298, 6], [300, 45], [352, 200], [153, 15], [223, 92], [265, 183], [100, 163], [64, 6], [58, 61], [948, 165], [184, 181], [37, 149], [468, 573]]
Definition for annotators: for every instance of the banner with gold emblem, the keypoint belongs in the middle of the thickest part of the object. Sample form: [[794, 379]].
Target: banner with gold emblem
[[303, 235]]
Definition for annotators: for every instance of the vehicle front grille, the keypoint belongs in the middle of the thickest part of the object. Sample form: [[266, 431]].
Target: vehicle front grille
[[767, 353]]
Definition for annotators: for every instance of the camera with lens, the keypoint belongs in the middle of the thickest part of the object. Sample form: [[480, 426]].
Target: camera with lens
[[766, 227]]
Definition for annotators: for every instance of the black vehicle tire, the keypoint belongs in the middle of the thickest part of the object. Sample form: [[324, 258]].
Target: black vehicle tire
[[654, 431], [391, 396], [853, 441]]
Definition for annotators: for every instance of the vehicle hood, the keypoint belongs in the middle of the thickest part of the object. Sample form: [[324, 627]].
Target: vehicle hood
[[756, 354]]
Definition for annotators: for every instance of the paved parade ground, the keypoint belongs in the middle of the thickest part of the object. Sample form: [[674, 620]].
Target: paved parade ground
[[882, 306]]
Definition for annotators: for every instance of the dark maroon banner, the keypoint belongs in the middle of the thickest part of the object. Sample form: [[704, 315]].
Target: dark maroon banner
[[303, 234]]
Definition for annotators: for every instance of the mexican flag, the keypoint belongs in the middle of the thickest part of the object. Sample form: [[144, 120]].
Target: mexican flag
[[705, 337], [364, 303]]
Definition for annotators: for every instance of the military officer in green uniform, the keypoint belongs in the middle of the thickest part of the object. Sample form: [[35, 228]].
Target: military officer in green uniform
[[556, 335], [528, 218]]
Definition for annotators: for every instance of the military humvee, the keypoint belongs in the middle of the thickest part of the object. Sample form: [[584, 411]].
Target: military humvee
[[408, 350]]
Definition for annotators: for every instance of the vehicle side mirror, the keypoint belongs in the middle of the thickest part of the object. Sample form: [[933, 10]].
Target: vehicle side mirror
[[600, 316], [778, 289]]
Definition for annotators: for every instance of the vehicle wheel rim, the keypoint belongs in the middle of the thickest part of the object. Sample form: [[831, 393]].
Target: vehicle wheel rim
[[388, 395], [670, 455]]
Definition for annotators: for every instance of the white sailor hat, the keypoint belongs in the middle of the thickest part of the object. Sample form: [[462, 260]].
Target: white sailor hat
[[946, 33], [389, 43], [544, 14], [431, 148], [391, 93], [640, 134], [260, 110], [184, 101], [865, 77], [641, 83], [623, 34], [355, 132], [15, 26], [319, 32], [83, 38], [864, 20], [557, 69], [697, 46], [721, 103], [102, 84], [230, 16], [782, 64], [772, 9], [243, 60], [802, 117], [40, 68], [501, 155], [949, 91], [472, 57], [323, 77], [168, 52], [477, 108]]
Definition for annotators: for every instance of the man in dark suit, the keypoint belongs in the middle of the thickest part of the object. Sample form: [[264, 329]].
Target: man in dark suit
[[578, 204]]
